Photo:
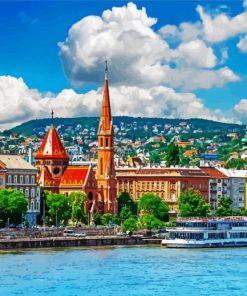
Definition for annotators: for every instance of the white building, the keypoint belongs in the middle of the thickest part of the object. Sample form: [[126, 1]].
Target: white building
[[236, 186]]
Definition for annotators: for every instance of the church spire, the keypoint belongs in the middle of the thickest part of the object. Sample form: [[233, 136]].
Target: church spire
[[105, 174], [105, 118], [52, 117], [106, 70]]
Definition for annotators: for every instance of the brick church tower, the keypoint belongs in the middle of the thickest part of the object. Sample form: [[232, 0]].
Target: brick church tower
[[51, 160], [105, 174]]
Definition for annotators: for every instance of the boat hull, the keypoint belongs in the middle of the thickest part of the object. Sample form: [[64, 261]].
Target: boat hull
[[201, 244]]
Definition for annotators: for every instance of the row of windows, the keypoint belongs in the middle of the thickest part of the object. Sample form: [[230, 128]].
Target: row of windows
[[143, 185], [238, 235], [220, 235], [186, 235], [162, 195], [27, 192], [14, 179], [33, 206]]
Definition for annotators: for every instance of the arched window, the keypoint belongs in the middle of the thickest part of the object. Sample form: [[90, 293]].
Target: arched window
[[27, 192], [37, 206], [27, 179], [101, 142], [107, 142], [32, 192], [32, 205], [101, 166], [90, 195], [33, 180], [15, 179], [21, 179], [9, 179]]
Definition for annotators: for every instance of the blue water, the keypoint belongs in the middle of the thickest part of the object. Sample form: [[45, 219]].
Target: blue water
[[124, 271]]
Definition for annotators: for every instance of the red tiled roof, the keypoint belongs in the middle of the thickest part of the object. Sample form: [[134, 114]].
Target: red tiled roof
[[213, 172], [52, 146], [44, 178], [74, 176]]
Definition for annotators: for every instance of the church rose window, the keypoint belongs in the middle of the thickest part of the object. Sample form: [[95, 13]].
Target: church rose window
[[56, 171]]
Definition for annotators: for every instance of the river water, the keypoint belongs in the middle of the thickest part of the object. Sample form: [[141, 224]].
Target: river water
[[123, 271]]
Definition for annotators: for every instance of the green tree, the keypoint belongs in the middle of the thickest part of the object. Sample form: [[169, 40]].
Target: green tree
[[149, 221], [192, 204], [172, 154], [125, 213], [238, 164], [76, 202], [152, 204], [97, 219], [59, 208], [224, 208], [124, 199], [155, 157], [107, 219], [130, 224], [13, 204]]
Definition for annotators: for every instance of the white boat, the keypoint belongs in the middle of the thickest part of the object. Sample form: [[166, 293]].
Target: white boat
[[207, 233]]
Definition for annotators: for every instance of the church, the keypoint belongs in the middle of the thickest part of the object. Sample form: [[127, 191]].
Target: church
[[57, 175]]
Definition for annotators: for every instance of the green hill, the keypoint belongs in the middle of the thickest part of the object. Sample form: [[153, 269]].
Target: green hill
[[34, 126]]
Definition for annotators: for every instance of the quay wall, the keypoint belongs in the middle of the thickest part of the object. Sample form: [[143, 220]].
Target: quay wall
[[54, 242]]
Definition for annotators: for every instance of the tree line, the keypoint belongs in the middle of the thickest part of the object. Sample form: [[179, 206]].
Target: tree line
[[149, 213]]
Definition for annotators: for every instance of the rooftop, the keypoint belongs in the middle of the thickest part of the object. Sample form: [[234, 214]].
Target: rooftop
[[15, 162]]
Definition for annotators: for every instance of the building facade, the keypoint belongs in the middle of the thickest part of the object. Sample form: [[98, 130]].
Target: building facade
[[236, 188], [218, 186], [168, 183], [18, 174]]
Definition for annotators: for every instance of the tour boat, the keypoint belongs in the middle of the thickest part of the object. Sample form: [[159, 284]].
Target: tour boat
[[207, 233]]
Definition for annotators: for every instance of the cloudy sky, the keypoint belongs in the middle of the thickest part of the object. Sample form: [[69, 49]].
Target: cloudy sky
[[176, 59]]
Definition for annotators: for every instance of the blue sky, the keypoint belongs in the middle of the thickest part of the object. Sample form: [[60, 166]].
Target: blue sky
[[31, 31]]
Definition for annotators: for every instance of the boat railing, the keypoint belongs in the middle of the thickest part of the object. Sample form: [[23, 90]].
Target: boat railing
[[213, 218]]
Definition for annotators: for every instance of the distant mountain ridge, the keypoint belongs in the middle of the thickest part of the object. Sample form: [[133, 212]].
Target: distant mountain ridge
[[33, 126]]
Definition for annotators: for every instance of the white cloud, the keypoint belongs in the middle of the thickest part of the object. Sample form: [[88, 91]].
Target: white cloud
[[190, 78], [240, 110], [185, 32], [138, 56], [221, 27], [122, 35], [191, 53], [242, 45], [158, 101]]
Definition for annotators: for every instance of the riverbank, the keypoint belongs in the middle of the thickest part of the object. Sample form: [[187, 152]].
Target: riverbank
[[53, 242]]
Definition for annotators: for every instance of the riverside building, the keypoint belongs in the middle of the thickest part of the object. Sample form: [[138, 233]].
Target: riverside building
[[18, 174]]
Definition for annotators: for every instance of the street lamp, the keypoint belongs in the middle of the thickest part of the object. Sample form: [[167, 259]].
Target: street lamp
[[8, 226], [56, 217]]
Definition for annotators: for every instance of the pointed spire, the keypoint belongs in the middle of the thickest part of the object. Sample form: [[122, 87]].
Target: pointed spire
[[52, 116], [105, 117], [106, 70]]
